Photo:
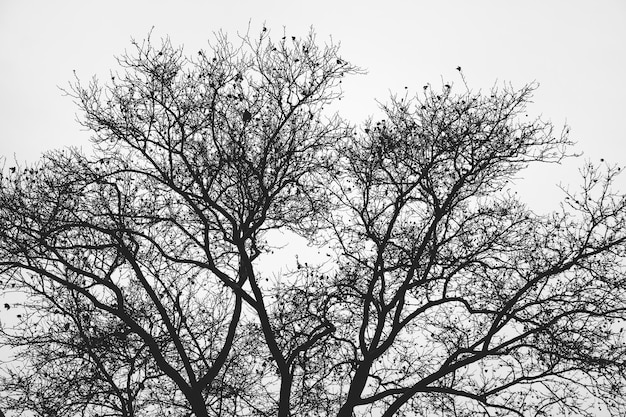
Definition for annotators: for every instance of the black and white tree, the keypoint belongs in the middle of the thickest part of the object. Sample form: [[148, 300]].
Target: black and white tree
[[442, 293]]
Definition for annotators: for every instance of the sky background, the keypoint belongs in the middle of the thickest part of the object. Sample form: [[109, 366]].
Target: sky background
[[575, 50]]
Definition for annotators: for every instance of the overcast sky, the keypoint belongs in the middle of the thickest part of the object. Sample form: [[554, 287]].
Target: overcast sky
[[576, 50]]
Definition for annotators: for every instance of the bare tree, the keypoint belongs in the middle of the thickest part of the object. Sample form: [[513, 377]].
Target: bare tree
[[463, 300], [441, 292]]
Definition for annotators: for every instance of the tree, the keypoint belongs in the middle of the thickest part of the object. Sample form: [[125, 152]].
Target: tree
[[441, 292]]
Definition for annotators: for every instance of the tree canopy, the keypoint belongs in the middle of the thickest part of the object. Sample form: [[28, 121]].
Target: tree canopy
[[152, 290]]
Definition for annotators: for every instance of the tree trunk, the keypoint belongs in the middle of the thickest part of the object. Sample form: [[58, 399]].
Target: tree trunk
[[356, 388], [285, 396], [199, 408]]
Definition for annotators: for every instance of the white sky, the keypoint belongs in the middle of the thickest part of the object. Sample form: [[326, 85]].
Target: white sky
[[576, 50]]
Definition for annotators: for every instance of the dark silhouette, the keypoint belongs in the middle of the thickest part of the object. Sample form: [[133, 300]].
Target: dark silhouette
[[246, 116], [152, 288]]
